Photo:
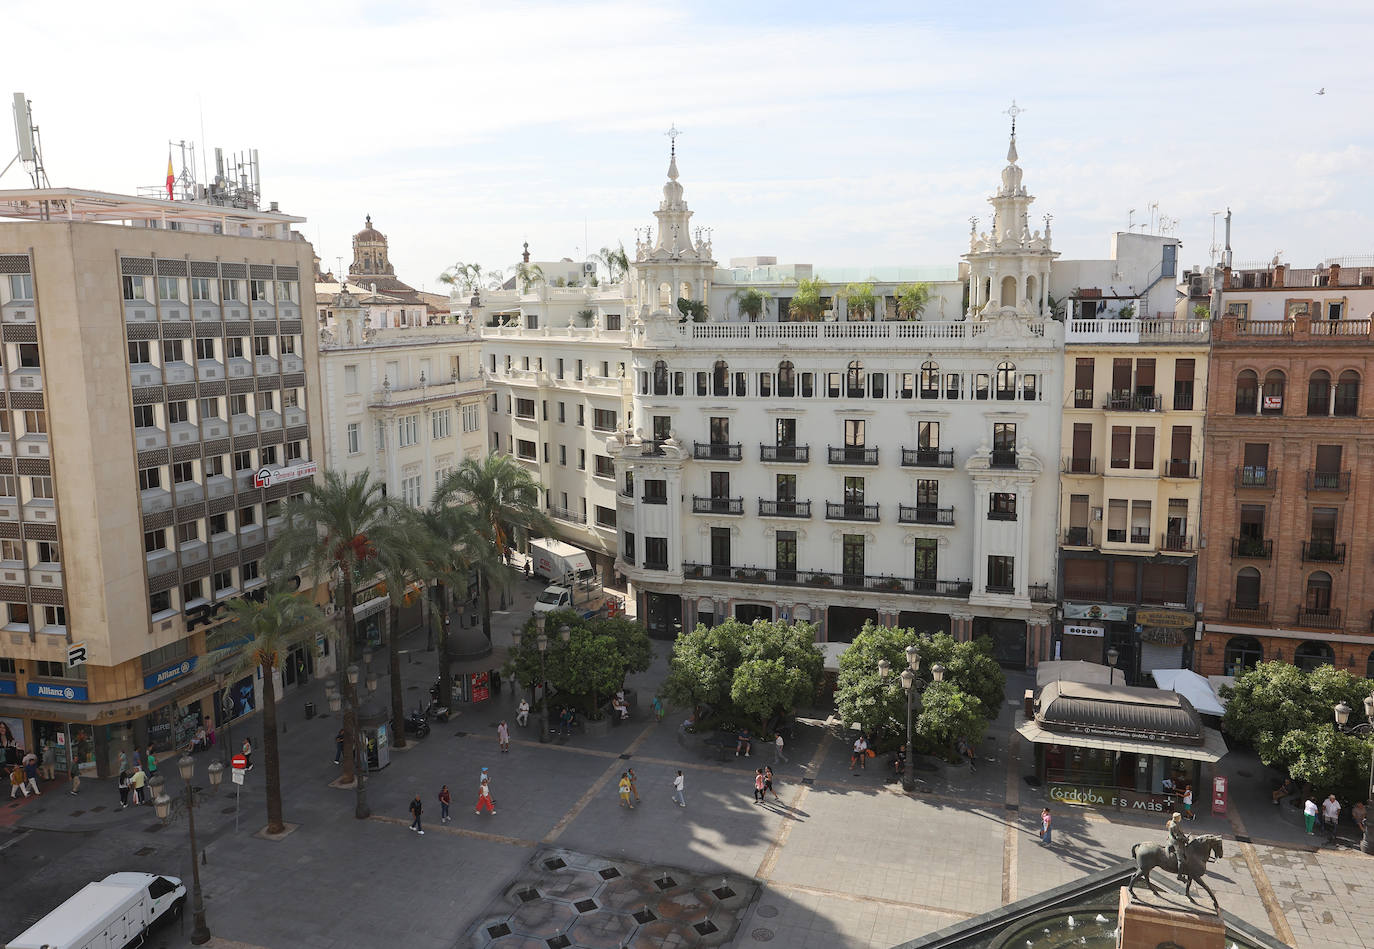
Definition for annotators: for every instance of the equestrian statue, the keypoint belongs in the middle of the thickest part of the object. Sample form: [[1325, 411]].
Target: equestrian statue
[[1184, 855]]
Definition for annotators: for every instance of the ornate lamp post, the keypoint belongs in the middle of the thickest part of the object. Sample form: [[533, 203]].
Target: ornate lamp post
[[1342, 719], [1113, 655], [565, 634], [227, 705], [360, 809], [912, 684], [200, 935]]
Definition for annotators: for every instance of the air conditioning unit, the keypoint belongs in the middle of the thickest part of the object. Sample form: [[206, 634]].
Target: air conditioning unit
[[589, 269]]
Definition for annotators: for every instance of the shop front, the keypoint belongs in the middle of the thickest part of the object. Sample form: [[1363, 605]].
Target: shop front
[[1088, 630], [1118, 746]]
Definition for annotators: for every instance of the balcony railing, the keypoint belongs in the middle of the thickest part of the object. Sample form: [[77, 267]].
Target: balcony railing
[[653, 499], [853, 455], [995, 515], [1002, 458], [769, 508], [1140, 535], [1000, 587], [925, 514], [1338, 481], [1079, 537], [1085, 593], [792, 453], [1257, 476], [1252, 548], [1133, 402], [927, 457], [821, 580], [1248, 612], [1176, 468], [1319, 617], [563, 514], [850, 511], [1322, 551], [1178, 543], [1087, 466], [1082, 398], [716, 451], [1183, 401], [1041, 593], [702, 505]]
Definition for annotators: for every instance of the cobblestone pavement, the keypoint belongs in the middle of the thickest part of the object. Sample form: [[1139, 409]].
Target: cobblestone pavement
[[840, 859]]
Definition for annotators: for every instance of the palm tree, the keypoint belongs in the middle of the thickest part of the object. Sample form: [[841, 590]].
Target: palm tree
[[527, 275], [401, 565], [335, 532], [912, 299], [753, 302], [806, 302], [616, 262], [278, 621], [504, 498], [860, 300], [466, 278]]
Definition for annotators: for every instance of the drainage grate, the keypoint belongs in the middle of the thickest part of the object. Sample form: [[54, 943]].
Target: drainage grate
[[768, 911], [808, 780], [723, 892], [554, 864], [584, 906], [559, 942], [762, 935], [706, 927], [624, 757], [665, 882], [499, 930], [645, 916], [144, 851], [1012, 807], [610, 873], [526, 896]]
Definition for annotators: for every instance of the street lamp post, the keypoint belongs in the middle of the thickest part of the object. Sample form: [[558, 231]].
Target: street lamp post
[[200, 935], [1342, 719], [360, 809], [227, 704], [1113, 655], [912, 684]]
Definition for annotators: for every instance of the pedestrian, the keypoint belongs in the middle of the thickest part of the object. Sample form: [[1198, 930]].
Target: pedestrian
[[123, 760], [247, 753], [49, 766], [860, 753], [75, 776], [778, 745], [445, 799], [1045, 822], [565, 722], [1188, 802], [522, 713], [624, 788], [966, 751], [527, 568], [484, 795], [1360, 816], [758, 786], [1331, 816], [743, 742], [123, 789], [634, 788], [415, 808], [503, 736], [1309, 813], [338, 746], [658, 708], [677, 790], [17, 786], [768, 782], [136, 781], [152, 762], [31, 773]]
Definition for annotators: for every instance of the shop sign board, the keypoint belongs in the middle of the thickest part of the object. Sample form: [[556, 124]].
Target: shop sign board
[[1178, 619], [1083, 630], [174, 671], [65, 693], [266, 477], [1094, 611], [8, 687], [1086, 796]]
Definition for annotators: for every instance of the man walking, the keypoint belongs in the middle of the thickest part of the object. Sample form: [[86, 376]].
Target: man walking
[[778, 744], [445, 799], [484, 795], [677, 790], [338, 746], [75, 776], [1331, 816], [415, 808], [137, 780], [503, 736], [31, 773]]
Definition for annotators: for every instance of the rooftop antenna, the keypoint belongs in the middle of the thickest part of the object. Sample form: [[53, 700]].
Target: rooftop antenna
[[30, 143], [1215, 248], [1130, 220]]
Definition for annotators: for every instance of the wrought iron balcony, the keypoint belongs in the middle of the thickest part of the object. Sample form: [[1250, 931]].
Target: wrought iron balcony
[[1084, 466], [1079, 537], [1252, 548], [819, 579], [563, 514], [1002, 458], [797, 454], [1041, 593], [1082, 398], [1319, 617], [1257, 476], [769, 508], [925, 514], [1322, 551], [1000, 587], [853, 455], [653, 499], [994, 515], [1133, 402], [717, 451], [927, 458], [1336, 481], [702, 505], [1178, 543], [1247, 612], [1177, 468], [850, 511]]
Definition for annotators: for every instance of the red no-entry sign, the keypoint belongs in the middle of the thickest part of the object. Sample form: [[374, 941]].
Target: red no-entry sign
[[239, 761]]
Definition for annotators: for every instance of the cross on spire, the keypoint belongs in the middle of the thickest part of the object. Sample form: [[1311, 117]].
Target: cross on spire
[[1014, 111], [672, 133]]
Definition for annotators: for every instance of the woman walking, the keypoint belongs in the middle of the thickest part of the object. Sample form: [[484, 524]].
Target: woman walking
[[758, 786], [445, 799], [768, 782], [247, 753], [624, 788], [484, 795], [123, 789], [1045, 821]]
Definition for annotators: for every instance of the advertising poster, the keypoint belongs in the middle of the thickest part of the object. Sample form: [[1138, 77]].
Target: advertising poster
[[12, 740]]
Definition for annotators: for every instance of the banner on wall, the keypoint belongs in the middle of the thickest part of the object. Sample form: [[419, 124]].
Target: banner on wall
[[12, 740], [1094, 611]]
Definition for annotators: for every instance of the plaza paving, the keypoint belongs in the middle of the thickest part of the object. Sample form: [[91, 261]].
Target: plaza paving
[[841, 860]]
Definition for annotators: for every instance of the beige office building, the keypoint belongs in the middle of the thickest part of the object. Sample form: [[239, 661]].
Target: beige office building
[[159, 405]]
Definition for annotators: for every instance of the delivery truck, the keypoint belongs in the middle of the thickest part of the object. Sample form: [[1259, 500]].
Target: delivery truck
[[114, 913], [558, 562], [585, 597]]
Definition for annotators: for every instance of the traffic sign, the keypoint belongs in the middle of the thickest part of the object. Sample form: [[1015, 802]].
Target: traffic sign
[[237, 776], [239, 762]]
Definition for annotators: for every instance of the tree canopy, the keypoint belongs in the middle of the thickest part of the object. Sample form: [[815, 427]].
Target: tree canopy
[[591, 665]]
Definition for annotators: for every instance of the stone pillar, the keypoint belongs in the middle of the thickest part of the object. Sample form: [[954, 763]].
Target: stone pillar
[[1163, 921]]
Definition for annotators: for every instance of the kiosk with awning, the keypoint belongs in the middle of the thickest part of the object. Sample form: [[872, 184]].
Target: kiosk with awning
[[1118, 745]]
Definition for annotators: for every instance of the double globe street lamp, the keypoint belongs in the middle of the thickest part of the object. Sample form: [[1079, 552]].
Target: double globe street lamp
[[565, 634], [913, 685], [200, 935], [1342, 723]]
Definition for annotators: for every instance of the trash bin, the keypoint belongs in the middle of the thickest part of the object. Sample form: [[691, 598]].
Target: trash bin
[[309, 710]]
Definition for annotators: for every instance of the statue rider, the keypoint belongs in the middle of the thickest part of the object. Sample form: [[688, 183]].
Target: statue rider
[[1178, 843]]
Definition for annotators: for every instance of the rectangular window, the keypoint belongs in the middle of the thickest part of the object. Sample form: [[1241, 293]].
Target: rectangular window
[[48, 552], [233, 347], [655, 491], [441, 424], [354, 436], [1083, 370], [579, 371], [1121, 446], [1144, 448], [257, 291], [854, 433], [407, 430], [143, 416], [1116, 521], [350, 380], [581, 416], [191, 592], [177, 412], [243, 461], [581, 459], [526, 449], [293, 451], [852, 558], [602, 466], [720, 429], [603, 420], [29, 358], [19, 616], [36, 422], [928, 493], [205, 348], [54, 616], [286, 345], [524, 408], [928, 436], [238, 404], [927, 559], [269, 454], [1002, 506], [1184, 370], [656, 553], [785, 552], [219, 524], [21, 286], [149, 478], [139, 353], [262, 345], [605, 516], [267, 401], [41, 487], [182, 472], [154, 540], [169, 289], [134, 288], [785, 488], [200, 290], [214, 466], [1001, 574]]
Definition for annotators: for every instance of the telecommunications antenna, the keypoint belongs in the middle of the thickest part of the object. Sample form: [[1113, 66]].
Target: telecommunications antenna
[[30, 153]]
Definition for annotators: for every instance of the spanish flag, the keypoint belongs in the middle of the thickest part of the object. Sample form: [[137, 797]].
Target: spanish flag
[[171, 176]]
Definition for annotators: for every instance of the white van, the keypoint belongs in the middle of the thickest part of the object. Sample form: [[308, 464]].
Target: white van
[[558, 562], [114, 913]]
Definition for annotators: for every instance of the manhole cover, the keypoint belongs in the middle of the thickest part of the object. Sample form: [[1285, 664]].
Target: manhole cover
[[499, 930], [584, 906], [768, 912], [144, 851], [526, 896], [610, 873], [705, 927], [645, 916], [723, 892], [665, 883], [554, 864], [762, 935], [559, 942]]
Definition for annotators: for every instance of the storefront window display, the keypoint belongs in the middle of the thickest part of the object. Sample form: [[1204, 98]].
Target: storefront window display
[[241, 700], [71, 742], [172, 726]]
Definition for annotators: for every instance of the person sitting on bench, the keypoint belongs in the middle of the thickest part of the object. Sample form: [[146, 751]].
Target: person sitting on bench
[[1283, 791], [618, 705]]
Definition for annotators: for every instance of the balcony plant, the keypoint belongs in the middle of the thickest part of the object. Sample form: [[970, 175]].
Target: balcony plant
[[912, 299], [890, 584], [806, 301], [696, 310], [819, 580], [1202, 311], [860, 300], [752, 302], [693, 571], [749, 574]]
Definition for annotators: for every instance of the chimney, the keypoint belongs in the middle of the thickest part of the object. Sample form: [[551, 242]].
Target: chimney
[[1334, 277], [1278, 274]]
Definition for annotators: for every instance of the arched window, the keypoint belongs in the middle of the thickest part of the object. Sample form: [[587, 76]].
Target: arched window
[[1319, 393], [1006, 381], [685, 290], [1318, 598], [720, 378], [1009, 291], [665, 296], [1248, 589], [1312, 654], [1273, 393], [787, 380], [1247, 392], [660, 377], [930, 380], [1348, 394], [1242, 652], [855, 380], [1031, 295]]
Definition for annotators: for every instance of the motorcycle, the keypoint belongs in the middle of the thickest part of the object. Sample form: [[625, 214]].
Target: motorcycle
[[437, 711], [416, 725]]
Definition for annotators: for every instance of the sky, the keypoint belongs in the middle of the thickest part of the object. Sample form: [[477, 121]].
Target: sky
[[847, 135]]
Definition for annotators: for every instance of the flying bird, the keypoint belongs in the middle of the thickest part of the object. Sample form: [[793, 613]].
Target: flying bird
[[1321, 91]]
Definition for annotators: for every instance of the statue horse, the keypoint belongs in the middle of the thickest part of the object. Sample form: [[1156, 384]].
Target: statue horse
[[1196, 854]]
